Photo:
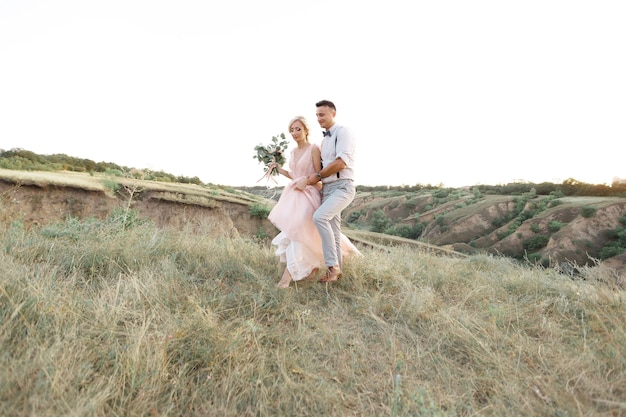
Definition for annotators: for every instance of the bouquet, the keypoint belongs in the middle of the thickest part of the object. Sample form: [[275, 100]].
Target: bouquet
[[274, 152]]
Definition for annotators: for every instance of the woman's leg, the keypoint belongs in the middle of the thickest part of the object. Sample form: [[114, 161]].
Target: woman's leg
[[285, 280]]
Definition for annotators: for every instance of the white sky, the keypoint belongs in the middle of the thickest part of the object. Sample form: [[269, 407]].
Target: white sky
[[455, 92]]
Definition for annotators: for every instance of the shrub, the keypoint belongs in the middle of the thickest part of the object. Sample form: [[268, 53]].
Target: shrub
[[399, 230], [555, 225], [188, 180], [380, 222], [441, 194], [114, 172], [126, 218], [112, 185], [618, 245], [259, 210], [406, 231], [588, 211], [610, 250], [515, 225], [411, 204], [261, 234], [417, 229], [527, 214], [534, 257], [534, 227], [354, 216], [535, 242], [502, 235]]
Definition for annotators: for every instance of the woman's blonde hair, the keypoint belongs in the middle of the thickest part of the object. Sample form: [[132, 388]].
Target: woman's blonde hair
[[302, 120]]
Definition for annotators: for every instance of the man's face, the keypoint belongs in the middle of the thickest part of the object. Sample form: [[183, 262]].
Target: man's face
[[325, 117]]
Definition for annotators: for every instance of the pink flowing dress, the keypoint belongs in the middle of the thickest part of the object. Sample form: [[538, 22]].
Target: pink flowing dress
[[299, 244]]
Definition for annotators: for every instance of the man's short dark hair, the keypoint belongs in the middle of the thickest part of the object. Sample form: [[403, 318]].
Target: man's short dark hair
[[326, 103]]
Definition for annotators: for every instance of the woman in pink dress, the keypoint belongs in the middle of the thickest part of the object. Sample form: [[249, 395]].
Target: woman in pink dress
[[299, 244]]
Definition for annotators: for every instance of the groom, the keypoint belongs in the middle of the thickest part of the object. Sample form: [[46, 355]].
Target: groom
[[338, 191]]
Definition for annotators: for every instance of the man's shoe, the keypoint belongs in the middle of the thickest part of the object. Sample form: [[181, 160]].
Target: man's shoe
[[332, 274]]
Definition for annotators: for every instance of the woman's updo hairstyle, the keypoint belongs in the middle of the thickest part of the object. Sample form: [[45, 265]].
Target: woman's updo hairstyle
[[302, 120]]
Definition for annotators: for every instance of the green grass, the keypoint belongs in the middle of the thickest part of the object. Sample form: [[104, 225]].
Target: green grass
[[117, 319]]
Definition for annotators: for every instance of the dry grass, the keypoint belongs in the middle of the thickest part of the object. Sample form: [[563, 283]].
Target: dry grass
[[383, 241], [177, 192], [100, 320], [63, 178]]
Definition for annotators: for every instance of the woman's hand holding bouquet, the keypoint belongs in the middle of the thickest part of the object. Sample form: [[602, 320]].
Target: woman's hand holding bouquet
[[272, 156]]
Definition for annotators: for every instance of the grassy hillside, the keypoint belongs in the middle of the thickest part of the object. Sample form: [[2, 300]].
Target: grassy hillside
[[554, 225], [547, 229], [552, 230], [116, 317]]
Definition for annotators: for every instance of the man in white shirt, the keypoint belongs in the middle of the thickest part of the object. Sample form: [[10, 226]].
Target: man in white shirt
[[338, 189]]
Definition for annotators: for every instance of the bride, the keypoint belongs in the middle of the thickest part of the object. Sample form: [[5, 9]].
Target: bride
[[299, 244]]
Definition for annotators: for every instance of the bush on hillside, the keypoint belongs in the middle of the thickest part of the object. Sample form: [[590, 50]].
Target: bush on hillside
[[380, 222], [588, 211], [406, 231], [535, 242], [259, 210], [555, 225]]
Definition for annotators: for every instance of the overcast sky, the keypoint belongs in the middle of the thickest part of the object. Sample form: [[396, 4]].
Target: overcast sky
[[438, 92]]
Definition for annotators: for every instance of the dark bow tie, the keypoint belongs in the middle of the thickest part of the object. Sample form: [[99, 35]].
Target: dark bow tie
[[327, 133]]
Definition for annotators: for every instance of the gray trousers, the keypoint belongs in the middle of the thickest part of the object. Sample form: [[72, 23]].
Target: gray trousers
[[336, 196]]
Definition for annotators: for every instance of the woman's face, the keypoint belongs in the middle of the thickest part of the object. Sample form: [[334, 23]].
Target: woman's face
[[297, 131]]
